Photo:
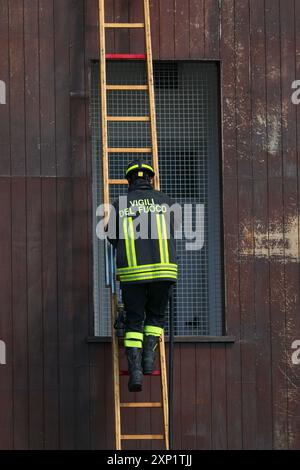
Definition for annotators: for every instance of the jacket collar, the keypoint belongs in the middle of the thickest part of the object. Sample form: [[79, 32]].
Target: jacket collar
[[140, 184]]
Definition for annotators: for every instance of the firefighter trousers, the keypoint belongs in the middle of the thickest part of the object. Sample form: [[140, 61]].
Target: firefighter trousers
[[145, 306]]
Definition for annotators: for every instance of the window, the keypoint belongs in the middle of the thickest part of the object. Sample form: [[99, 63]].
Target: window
[[187, 108]]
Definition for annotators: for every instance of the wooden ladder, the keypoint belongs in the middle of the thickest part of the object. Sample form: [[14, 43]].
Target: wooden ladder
[[107, 182]]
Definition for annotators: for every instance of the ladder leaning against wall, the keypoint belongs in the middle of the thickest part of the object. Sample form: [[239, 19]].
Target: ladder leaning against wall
[[107, 183]]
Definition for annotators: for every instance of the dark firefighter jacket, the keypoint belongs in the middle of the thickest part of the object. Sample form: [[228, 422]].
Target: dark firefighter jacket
[[144, 235]]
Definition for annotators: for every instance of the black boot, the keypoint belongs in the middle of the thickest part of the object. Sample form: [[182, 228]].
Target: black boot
[[149, 353], [134, 357]]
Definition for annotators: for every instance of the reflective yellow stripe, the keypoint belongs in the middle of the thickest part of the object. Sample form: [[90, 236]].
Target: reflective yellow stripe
[[149, 276], [144, 267], [162, 238], [165, 238], [139, 271], [148, 167], [129, 343], [162, 258], [129, 242], [134, 335], [161, 272], [131, 168], [131, 235], [157, 275], [153, 330], [129, 262], [154, 273]]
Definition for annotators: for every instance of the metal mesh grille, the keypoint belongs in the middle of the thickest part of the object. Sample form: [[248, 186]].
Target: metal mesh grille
[[186, 95]]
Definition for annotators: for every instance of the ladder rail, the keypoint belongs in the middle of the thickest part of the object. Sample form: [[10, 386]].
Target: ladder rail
[[116, 374], [162, 355], [151, 94], [103, 102], [164, 388]]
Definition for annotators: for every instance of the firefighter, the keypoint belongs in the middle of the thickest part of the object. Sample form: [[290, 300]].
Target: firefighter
[[146, 267]]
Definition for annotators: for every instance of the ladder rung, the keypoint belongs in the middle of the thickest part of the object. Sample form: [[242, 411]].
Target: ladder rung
[[155, 372], [124, 25], [117, 181], [141, 405], [125, 56], [142, 436], [128, 118], [129, 150], [127, 87]]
